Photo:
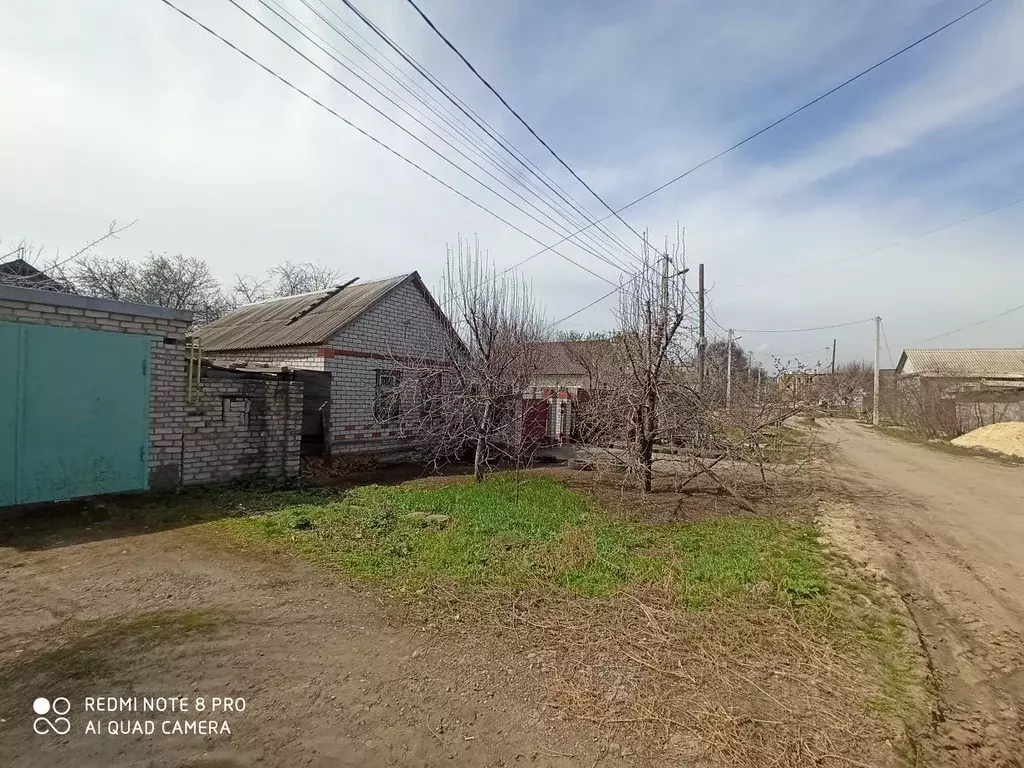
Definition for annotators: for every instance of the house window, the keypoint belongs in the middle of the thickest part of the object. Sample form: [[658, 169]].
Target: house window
[[387, 401]]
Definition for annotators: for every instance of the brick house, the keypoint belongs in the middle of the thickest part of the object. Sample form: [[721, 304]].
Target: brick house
[[360, 334], [565, 373]]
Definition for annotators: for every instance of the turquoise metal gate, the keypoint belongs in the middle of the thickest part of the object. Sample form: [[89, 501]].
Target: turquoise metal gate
[[74, 413]]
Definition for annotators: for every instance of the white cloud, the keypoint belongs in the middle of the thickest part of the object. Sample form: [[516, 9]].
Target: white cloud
[[126, 110]]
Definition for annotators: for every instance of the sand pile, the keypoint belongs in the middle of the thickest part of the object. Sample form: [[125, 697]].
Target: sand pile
[[1005, 437]]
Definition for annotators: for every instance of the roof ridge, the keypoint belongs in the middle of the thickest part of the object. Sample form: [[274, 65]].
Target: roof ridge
[[964, 349], [326, 297]]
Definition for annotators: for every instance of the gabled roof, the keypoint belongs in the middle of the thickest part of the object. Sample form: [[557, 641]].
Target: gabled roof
[[568, 358], [20, 273], [305, 319], [963, 363], [556, 358]]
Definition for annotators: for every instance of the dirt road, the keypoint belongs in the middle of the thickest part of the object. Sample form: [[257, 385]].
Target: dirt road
[[950, 532], [328, 677]]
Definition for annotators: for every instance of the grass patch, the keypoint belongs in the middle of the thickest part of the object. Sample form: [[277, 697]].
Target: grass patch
[[515, 535]]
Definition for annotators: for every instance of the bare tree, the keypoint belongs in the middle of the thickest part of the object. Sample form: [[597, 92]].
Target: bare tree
[[178, 282], [302, 277], [32, 268], [105, 277], [630, 405], [287, 279], [470, 392], [248, 290]]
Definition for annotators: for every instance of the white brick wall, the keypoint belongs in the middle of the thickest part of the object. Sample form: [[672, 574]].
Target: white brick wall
[[403, 325], [302, 358], [216, 445]]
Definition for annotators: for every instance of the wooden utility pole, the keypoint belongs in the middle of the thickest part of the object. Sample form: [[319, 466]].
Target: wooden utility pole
[[664, 294], [833, 356], [874, 400], [728, 372], [702, 341]]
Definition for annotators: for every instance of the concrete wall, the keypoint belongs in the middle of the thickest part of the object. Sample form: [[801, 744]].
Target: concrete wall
[[949, 407], [973, 413], [166, 329]]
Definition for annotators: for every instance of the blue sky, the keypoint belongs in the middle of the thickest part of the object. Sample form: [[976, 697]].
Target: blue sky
[[127, 111]]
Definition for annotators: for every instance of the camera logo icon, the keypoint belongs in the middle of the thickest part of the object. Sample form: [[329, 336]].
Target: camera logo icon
[[59, 707]]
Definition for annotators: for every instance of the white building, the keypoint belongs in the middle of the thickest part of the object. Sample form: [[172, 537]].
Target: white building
[[359, 333]]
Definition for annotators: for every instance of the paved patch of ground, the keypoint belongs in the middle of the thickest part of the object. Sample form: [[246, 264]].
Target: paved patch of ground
[[329, 678], [950, 532]]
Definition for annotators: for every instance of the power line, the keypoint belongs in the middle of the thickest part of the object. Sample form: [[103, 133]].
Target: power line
[[972, 325], [893, 244], [797, 111], [778, 122], [888, 352], [380, 143], [801, 330], [782, 355], [519, 117], [465, 109], [413, 135], [462, 132], [598, 300]]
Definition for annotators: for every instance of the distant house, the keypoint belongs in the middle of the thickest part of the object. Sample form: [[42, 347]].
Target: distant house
[[358, 334], [21, 274], [957, 390], [565, 373]]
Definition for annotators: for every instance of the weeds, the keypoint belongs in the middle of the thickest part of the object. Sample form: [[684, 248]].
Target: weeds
[[516, 536]]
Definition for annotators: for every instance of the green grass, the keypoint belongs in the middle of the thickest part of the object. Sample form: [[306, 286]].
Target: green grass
[[517, 535]]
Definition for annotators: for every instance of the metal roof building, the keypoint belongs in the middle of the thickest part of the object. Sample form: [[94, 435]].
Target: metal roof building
[[962, 363], [305, 319]]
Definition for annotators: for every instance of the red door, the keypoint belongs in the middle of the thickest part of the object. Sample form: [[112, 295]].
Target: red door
[[535, 421]]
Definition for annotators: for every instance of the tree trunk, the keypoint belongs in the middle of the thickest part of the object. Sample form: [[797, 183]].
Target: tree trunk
[[480, 454]]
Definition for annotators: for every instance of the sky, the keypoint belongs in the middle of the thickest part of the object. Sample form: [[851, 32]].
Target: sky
[[129, 111]]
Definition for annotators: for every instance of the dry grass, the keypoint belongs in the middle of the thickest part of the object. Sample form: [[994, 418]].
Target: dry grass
[[719, 688], [756, 674]]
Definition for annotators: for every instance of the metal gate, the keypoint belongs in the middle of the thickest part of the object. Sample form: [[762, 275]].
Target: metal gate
[[74, 413]]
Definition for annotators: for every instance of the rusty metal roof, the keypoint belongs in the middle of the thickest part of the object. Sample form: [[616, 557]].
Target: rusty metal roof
[[963, 363], [295, 321]]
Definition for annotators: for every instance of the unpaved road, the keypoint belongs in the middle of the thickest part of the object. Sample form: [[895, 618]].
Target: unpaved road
[[950, 532], [329, 678]]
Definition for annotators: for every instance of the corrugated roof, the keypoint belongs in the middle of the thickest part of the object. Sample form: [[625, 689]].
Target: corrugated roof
[[556, 357], [306, 319], [570, 358], [963, 363]]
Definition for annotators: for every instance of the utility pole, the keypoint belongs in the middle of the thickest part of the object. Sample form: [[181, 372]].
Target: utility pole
[[702, 341], [833, 357], [874, 400], [664, 295], [728, 372]]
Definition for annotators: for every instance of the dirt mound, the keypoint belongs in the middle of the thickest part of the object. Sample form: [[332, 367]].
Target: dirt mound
[[1005, 437]]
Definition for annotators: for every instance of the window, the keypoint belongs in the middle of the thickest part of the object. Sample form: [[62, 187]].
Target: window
[[387, 400]]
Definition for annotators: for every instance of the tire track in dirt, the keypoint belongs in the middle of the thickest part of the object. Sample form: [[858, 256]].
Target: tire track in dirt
[[950, 531]]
